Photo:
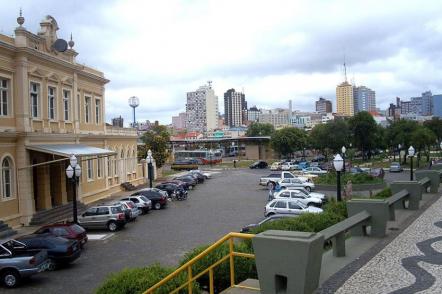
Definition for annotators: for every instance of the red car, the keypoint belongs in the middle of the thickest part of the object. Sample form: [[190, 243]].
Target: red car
[[66, 230]]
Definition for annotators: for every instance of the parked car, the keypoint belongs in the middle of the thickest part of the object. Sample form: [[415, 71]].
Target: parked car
[[16, 263], [188, 182], [318, 158], [303, 165], [109, 217], [276, 166], [199, 177], [377, 172], [289, 166], [321, 196], [259, 164], [206, 174], [268, 219], [66, 230], [60, 251], [130, 209], [143, 203], [395, 167], [156, 190], [297, 195], [288, 206], [295, 182], [158, 199], [356, 170], [314, 171], [271, 180]]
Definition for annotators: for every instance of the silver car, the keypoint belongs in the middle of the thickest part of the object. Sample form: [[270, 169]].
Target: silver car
[[395, 167], [288, 206], [140, 201], [109, 217], [299, 196], [295, 182]]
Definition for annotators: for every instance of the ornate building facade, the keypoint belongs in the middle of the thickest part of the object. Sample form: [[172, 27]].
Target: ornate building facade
[[52, 107]]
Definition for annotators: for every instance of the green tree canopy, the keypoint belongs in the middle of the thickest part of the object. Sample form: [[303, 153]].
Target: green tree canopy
[[288, 140], [423, 138], [156, 139], [363, 129], [332, 135], [435, 125], [257, 129]]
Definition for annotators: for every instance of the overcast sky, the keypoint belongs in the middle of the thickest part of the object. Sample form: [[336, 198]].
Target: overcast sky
[[274, 50]]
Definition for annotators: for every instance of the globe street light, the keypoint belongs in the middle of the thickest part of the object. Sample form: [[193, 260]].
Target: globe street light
[[338, 163], [411, 154], [149, 160], [73, 172], [343, 149], [399, 152]]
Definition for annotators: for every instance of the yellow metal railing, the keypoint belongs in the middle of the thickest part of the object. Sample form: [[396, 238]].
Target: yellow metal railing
[[188, 266]]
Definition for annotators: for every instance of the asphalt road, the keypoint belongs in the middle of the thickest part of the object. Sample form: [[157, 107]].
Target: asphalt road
[[223, 204]]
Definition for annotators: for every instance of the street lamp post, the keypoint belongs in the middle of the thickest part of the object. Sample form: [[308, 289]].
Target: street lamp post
[[399, 152], [411, 154], [338, 163], [343, 149], [73, 172], [149, 160]]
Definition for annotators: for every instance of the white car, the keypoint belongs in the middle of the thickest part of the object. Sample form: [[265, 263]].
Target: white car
[[289, 166], [314, 171], [297, 195], [275, 166], [206, 174], [311, 194], [289, 206], [296, 182]]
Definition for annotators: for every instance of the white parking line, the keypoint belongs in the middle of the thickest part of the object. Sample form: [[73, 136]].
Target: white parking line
[[99, 237]]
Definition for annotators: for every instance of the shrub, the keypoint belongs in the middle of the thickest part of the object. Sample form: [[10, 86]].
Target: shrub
[[336, 207], [244, 267], [382, 194], [362, 178], [138, 280]]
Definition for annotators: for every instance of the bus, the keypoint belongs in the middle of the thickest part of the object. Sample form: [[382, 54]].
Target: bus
[[202, 156]]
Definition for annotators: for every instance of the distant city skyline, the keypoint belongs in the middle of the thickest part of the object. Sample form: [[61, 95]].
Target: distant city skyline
[[282, 49]]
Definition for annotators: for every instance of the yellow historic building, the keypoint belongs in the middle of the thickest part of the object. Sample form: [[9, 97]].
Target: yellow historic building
[[344, 99], [52, 107]]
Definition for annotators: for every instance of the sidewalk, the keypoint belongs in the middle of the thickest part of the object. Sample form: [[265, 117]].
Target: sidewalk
[[410, 263]]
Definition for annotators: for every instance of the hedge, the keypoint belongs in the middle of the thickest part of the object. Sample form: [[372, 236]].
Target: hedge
[[382, 194], [244, 267], [138, 280], [361, 178]]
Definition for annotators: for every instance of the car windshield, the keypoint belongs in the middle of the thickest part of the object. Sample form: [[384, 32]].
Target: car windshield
[[77, 229]]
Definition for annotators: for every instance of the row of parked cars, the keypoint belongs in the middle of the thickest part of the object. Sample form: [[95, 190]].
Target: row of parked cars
[[56, 245]]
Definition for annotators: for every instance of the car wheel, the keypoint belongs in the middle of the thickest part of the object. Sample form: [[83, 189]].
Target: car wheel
[[157, 206], [51, 265], [309, 189], [311, 204], [270, 213], [112, 226], [10, 278]]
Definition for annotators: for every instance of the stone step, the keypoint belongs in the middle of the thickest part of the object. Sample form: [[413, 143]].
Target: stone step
[[249, 283], [56, 214]]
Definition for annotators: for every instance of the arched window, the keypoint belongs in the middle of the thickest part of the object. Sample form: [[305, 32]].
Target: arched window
[[7, 177], [128, 161]]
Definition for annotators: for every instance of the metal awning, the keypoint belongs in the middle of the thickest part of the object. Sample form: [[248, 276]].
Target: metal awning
[[67, 150]]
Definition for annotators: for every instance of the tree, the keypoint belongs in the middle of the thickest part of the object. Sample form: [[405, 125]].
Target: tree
[[435, 125], [363, 128], [257, 129], [399, 133], [422, 138], [330, 136], [288, 140], [156, 139]]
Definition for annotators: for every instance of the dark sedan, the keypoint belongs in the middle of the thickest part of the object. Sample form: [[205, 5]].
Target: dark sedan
[[189, 180], [158, 200], [199, 177], [61, 251], [171, 189], [65, 230], [259, 164]]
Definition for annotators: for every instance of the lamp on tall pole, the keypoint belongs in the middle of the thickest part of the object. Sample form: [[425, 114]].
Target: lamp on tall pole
[[73, 172], [399, 152], [343, 149], [411, 154], [149, 160], [134, 102], [338, 163]]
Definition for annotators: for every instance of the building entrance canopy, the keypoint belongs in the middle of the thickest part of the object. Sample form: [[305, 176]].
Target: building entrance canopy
[[66, 150]]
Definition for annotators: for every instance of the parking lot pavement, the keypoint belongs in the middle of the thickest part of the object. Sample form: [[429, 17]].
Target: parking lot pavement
[[225, 203]]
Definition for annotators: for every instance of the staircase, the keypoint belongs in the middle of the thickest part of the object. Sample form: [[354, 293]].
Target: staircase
[[128, 186], [6, 231], [56, 214]]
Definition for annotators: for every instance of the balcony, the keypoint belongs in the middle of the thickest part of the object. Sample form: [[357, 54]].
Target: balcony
[[111, 130]]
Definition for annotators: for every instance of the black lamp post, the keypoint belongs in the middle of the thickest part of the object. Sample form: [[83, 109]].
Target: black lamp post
[[399, 152], [338, 163], [73, 172], [343, 150], [411, 154], [149, 160]]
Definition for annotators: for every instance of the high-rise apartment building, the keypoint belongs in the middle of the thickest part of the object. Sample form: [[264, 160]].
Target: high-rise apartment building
[[437, 105], [277, 117], [323, 105], [235, 108], [179, 121], [253, 114], [364, 99], [345, 99], [202, 109]]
